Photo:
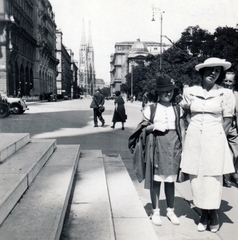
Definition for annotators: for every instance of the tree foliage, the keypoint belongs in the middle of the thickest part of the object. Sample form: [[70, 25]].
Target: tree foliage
[[193, 47], [106, 91]]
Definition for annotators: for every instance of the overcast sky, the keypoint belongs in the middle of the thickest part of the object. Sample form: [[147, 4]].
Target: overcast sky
[[127, 20]]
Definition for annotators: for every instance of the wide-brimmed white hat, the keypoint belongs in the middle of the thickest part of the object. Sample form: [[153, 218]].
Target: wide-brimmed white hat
[[214, 62]]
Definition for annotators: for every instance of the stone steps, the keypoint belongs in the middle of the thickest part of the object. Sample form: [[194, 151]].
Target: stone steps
[[36, 182], [50, 191], [105, 204], [11, 142]]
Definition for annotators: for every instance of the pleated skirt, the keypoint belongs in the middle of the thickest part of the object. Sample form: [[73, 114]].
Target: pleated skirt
[[167, 156]]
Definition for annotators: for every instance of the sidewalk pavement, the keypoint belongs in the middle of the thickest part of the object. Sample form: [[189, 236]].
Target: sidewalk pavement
[[188, 214], [184, 208]]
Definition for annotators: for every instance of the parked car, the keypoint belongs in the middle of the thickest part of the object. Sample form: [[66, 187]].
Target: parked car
[[17, 105], [51, 97], [4, 109]]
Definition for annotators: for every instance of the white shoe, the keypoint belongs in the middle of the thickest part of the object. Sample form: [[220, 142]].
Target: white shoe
[[201, 227], [172, 217], [155, 217]]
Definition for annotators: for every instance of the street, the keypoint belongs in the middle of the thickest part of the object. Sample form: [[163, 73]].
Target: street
[[71, 122]]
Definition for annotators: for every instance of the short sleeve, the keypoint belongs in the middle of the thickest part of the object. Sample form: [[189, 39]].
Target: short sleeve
[[228, 103], [181, 112], [146, 113], [186, 101]]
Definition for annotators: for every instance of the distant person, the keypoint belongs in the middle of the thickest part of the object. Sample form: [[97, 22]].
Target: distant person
[[119, 114], [97, 101], [145, 100], [230, 82]]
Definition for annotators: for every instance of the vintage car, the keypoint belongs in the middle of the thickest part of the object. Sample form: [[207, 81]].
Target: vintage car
[[51, 97], [4, 109], [17, 105]]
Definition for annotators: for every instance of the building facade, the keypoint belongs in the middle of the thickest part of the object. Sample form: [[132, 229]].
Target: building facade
[[28, 62], [124, 57], [99, 83], [29, 52], [64, 79]]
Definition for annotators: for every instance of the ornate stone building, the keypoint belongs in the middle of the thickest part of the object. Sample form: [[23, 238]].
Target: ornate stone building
[[67, 70], [28, 62], [45, 61], [63, 79], [126, 53]]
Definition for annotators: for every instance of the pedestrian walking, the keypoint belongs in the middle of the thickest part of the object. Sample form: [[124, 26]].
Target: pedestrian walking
[[119, 114], [97, 104], [164, 128], [206, 154], [230, 82]]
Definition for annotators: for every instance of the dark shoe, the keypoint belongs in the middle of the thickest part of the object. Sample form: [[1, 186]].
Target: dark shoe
[[202, 225], [103, 123], [226, 182], [113, 127], [214, 227], [95, 125], [122, 128], [234, 181]]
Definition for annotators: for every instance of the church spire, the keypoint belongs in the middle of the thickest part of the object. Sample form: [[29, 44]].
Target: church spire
[[89, 35], [86, 62], [83, 37]]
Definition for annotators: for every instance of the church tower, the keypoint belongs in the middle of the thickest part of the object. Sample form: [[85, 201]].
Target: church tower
[[86, 62]]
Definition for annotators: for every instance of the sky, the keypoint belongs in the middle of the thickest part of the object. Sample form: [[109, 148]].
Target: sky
[[114, 21]]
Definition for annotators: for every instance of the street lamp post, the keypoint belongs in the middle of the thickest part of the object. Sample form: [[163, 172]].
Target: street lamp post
[[161, 20], [161, 24], [131, 81]]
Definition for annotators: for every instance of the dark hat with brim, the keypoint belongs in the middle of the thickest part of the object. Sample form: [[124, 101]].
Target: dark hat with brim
[[164, 83]]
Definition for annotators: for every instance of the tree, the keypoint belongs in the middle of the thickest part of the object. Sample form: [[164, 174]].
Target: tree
[[106, 91], [196, 41], [138, 76], [194, 46], [226, 45], [124, 88]]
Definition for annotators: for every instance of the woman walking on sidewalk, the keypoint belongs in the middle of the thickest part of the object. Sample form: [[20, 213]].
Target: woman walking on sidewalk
[[119, 114], [206, 154], [166, 130]]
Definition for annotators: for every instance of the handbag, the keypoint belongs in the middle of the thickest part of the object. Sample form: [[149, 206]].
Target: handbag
[[101, 109]]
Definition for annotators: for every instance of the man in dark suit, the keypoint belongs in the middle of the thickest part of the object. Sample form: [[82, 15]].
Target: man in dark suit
[[97, 102]]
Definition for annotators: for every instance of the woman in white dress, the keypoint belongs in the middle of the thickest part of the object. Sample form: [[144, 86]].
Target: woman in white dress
[[206, 154]]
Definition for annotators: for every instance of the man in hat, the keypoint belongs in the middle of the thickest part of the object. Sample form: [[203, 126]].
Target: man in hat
[[97, 101]]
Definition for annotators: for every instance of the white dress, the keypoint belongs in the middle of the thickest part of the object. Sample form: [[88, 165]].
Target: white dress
[[206, 154]]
